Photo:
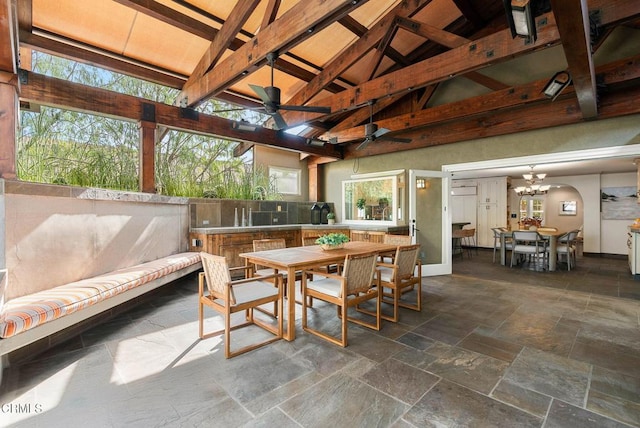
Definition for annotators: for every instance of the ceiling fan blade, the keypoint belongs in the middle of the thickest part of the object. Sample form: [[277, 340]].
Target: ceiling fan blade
[[259, 90], [237, 109], [364, 144], [279, 120], [310, 109], [380, 132]]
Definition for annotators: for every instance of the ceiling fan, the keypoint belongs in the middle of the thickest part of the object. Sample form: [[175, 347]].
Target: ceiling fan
[[372, 133], [270, 96]]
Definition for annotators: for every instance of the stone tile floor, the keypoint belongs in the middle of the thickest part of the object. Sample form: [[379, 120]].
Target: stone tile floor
[[493, 347]]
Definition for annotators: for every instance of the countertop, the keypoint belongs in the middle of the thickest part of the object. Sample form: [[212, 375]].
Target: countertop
[[372, 227]]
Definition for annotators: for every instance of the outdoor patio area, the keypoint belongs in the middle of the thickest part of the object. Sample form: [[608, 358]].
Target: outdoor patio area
[[494, 346]]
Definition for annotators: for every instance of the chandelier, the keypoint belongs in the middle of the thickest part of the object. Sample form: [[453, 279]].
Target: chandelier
[[533, 184]]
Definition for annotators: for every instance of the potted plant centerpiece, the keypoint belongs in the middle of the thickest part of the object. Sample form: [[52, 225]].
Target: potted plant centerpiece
[[332, 241], [331, 218]]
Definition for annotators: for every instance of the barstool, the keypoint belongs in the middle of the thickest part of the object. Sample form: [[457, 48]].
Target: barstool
[[469, 240], [457, 236]]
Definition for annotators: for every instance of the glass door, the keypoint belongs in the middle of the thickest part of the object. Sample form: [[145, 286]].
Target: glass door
[[429, 219]]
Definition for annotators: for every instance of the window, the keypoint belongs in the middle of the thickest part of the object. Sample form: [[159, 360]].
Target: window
[[532, 208], [287, 180]]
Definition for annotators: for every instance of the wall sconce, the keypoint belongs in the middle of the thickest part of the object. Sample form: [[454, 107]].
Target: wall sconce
[[520, 19], [421, 183], [558, 82], [243, 125]]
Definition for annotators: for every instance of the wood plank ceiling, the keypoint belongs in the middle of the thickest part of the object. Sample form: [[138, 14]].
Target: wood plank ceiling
[[430, 71]]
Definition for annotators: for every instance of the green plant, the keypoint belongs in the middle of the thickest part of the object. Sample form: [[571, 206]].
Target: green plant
[[361, 203], [332, 239], [331, 216]]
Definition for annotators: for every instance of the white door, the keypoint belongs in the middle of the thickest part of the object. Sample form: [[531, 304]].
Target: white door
[[430, 220]]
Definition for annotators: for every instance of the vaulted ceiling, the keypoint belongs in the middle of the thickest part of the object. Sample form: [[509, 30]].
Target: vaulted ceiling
[[429, 71]]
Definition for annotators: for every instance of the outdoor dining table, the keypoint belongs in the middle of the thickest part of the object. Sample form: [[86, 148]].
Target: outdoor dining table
[[551, 236], [294, 259]]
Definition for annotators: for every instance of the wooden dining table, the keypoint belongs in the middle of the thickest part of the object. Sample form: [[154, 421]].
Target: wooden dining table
[[549, 235], [294, 259]]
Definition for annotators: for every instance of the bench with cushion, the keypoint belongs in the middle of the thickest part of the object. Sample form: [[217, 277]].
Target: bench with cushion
[[26, 319]]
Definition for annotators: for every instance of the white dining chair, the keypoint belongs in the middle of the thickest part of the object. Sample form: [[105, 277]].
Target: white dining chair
[[529, 243]]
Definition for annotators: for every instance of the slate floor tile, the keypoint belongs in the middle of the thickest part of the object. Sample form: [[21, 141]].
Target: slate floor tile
[[400, 380], [341, 398], [471, 369], [563, 415], [550, 374], [451, 405]]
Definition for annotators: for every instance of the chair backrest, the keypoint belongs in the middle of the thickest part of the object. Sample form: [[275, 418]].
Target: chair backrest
[[468, 233], [498, 230], [526, 236], [405, 260], [569, 238], [396, 239], [458, 233], [269, 244], [309, 240], [358, 271], [216, 271]]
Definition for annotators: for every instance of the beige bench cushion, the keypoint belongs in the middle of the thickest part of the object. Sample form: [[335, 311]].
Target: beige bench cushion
[[27, 312]]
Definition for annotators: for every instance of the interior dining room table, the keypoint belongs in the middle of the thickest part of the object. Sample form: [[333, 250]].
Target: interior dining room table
[[294, 259], [550, 235]]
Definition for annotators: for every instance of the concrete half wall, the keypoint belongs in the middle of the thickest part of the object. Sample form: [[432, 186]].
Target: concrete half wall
[[57, 234]]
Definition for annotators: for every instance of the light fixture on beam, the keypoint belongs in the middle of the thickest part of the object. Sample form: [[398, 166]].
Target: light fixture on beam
[[315, 142], [243, 125], [421, 183], [558, 82], [521, 20]]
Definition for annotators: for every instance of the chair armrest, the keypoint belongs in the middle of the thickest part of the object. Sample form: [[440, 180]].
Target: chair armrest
[[325, 274], [247, 269], [388, 265], [256, 278]]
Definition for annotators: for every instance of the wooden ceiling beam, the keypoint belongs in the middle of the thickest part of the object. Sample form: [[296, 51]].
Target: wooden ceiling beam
[[198, 28], [25, 14], [615, 12], [449, 40], [471, 56], [360, 30], [470, 13], [242, 10], [612, 74], [380, 51], [270, 13], [284, 33], [360, 116], [74, 96], [572, 19], [565, 111], [9, 55], [350, 56]]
